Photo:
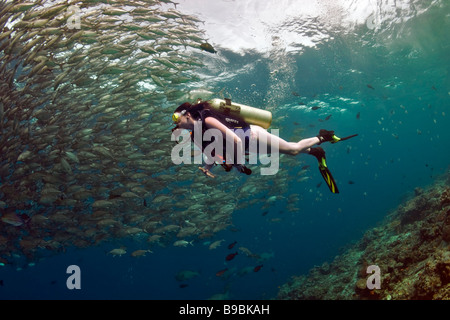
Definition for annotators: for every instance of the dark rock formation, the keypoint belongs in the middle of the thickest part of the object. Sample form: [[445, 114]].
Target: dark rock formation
[[411, 247]]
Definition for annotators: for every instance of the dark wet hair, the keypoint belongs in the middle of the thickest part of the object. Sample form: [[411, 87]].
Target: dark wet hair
[[184, 106], [194, 110]]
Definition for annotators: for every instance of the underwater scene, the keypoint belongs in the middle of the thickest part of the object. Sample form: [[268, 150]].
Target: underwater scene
[[93, 205]]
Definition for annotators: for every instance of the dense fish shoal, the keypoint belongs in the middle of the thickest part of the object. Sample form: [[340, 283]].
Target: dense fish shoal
[[87, 90]]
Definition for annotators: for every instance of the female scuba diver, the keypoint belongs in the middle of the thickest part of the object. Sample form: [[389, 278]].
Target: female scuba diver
[[205, 115]]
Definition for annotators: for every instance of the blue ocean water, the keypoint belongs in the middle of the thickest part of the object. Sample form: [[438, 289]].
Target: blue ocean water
[[391, 86]]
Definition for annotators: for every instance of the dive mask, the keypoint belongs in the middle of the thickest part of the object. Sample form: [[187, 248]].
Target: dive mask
[[176, 116]]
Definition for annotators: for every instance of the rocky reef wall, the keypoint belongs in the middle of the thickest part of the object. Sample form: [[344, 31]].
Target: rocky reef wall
[[411, 247]]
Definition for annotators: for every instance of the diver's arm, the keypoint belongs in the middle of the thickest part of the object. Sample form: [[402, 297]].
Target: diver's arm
[[206, 169], [230, 136]]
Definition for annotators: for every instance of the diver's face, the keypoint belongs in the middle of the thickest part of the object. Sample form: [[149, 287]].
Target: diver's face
[[185, 121]]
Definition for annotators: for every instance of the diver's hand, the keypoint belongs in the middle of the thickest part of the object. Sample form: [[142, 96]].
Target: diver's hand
[[207, 172]]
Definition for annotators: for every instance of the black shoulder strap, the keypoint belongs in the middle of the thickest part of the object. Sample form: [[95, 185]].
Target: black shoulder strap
[[228, 120]]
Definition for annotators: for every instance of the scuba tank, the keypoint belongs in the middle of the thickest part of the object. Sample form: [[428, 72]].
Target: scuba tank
[[262, 118]]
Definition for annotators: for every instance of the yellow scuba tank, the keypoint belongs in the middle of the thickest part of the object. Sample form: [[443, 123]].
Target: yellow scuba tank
[[262, 118]]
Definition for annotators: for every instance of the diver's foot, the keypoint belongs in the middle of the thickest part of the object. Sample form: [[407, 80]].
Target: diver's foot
[[227, 167], [247, 171], [326, 135], [317, 152], [244, 169]]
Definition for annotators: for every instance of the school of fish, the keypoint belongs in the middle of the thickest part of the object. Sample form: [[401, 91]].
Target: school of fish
[[87, 91]]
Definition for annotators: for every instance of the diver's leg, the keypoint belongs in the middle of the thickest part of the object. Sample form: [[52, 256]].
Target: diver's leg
[[292, 148]]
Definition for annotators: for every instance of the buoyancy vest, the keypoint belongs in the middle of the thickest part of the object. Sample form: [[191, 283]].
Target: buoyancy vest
[[229, 121]]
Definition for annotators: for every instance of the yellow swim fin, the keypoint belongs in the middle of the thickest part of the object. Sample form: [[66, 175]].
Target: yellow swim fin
[[326, 174], [337, 139], [319, 153]]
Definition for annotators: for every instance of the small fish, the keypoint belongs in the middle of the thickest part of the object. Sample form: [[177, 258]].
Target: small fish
[[328, 117], [265, 213], [207, 47], [315, 107], [186, 275], [296, 123], [295, 94], [145, 203], [230, 256], [182, 243], [183, 285], [319, 184], [231, 245], [358, 115], [351, 182], [221, 272], [139, 253], [370, 87], [1, 283], [257, 268], [117, 252], [301, 103], [215, 244], [12, 219], [306, 166]]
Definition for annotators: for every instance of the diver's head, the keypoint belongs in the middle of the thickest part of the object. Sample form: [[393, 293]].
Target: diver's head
[[182, 116]]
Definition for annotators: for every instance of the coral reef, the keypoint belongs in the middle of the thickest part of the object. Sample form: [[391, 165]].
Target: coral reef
[[410, 247]]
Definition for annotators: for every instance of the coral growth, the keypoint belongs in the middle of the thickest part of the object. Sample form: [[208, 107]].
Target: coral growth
[[411, 248]]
